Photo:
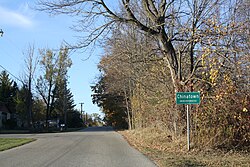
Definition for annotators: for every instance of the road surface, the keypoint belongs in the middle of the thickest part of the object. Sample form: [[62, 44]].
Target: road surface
[[92, 147]]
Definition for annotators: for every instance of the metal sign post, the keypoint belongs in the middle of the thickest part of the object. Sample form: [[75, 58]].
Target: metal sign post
[[188, 98], [188, 129]]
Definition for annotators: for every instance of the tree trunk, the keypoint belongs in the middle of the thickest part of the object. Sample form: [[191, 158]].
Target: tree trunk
[[48, 112], [30, 115], [128, 112]]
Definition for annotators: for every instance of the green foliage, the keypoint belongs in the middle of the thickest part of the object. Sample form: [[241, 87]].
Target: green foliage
[[96, 119], [64, 101], [8, 143], [112, 105], [8, 91], [74, 120], [21, 104], [39, 109], [51, 86]]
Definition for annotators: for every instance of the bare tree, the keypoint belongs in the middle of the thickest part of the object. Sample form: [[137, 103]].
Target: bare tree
[[31, 62], [176, 25]]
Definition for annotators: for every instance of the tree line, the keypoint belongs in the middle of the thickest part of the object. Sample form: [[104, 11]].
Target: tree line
[[155, 48], [39, 100]]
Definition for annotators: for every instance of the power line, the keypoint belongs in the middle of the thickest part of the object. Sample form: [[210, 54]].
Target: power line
[[1, 33], [11, 74], [17, 77]]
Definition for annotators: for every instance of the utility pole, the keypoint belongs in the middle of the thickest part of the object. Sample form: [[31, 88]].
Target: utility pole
[[64, 103], [81, 109], [86, 118]]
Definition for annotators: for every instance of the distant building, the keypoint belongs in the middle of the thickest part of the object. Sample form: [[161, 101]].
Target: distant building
[[4, 115]]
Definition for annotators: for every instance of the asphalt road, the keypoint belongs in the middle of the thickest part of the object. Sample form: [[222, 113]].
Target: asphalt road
[[92, 147]]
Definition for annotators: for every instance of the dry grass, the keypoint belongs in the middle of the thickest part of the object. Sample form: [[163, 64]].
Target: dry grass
[[165, 150]]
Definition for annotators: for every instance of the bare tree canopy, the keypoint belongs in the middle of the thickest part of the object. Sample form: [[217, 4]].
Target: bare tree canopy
[[183, 29]]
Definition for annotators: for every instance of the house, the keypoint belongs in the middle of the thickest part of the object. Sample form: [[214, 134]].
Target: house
[[4, 115]]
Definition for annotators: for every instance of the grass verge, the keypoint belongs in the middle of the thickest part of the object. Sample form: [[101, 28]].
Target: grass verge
[[159, 146], [8, 143]]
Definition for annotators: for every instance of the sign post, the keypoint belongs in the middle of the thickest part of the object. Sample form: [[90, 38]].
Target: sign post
[[188, 129], [188, 98]]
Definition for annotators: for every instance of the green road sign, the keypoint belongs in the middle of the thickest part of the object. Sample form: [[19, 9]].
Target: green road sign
[[187, 98]]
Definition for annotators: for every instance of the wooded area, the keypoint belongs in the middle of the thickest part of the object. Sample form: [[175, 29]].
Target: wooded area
[[43, 102], [155, 48]]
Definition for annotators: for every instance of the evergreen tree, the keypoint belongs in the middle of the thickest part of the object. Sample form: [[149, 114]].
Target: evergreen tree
[[22, 104], [8, 90], [64, 102]]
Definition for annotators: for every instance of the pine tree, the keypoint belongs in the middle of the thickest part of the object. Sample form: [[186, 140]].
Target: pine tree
[[8, 90]]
